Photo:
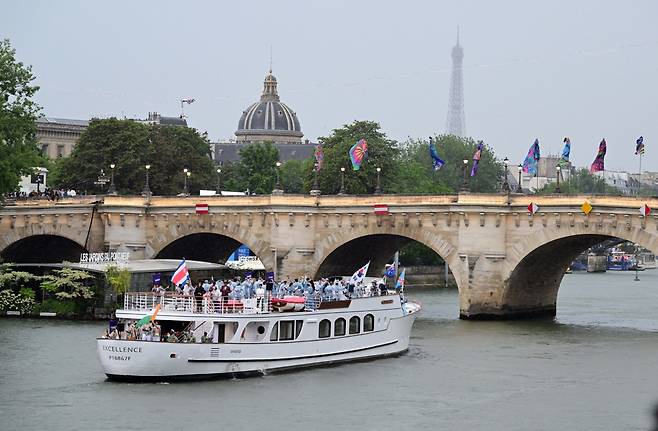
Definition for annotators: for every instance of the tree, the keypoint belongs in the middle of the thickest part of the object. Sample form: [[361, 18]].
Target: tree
[[257, 167], [382, 153], [68, 283], [18, 113], [130, 146], [293, 175], [118, 279], [581, 181]]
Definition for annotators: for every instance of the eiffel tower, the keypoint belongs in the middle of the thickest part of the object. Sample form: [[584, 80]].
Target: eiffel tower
[[456, 124]]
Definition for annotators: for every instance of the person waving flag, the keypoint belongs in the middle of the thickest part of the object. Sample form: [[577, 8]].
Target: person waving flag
[[639, 146], [598, 164], [476, 158], [564, 160], [437, 163], [532, 159]]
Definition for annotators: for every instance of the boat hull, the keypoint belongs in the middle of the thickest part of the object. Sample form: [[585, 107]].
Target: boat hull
[[159, 361]]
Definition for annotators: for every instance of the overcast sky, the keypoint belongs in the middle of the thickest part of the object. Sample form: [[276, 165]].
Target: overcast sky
[[584, 69]]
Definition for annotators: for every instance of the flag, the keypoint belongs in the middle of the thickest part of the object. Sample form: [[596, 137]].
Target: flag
[[156, 278], [645, 210], [201, 208], [390, 271], [533, 208], [380, 209], [564, 160], [181, 275], [598, 163], [155, 312], [360, 274], [400, 282], [532, 159], [358, 153], [437, 162], [476, 158], [319, 157], [639, 146]]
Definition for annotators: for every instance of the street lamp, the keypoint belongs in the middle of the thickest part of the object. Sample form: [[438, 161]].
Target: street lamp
[[505, 182], [147, 189], [219, 181], [519, 188], [378, 189], [277, 186], [465, 183], [342, 182], [186, 173], [315, 191], [558, 168], [112, 190]]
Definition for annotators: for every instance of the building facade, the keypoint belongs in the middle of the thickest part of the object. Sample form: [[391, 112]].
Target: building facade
[[57, 136]]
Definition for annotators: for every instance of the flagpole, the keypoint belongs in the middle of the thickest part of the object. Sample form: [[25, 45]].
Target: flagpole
[[639, 177], [396, 263]]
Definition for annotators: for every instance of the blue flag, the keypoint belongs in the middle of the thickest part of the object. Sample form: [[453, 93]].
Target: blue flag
[[437, 163], [532, 159], [390, 271], [566, 151], [639, 145]]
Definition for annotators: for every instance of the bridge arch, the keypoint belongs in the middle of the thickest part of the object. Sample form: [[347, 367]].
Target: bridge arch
[[378, 243], [42, 248], [209, 245], [533, 274]]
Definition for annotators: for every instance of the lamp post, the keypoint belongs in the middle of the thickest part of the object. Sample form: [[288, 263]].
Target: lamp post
[[519, 188], [505, 182], [147, 189], [112, 190], [378, 188], [185, 175], [315, 191], [464, 183], [342, 182], [219, 181], [277, 187], [558, 168]]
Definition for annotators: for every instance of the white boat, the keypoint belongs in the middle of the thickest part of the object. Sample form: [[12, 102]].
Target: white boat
[[251, 336]]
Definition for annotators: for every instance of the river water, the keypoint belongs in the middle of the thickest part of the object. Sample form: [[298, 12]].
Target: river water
[[593, 368]]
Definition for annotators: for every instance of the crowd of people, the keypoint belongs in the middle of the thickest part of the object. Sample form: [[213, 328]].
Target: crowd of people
[[46, 193], [256, 287]]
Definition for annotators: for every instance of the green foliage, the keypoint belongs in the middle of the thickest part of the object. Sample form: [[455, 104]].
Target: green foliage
[[65, 307], [131, 146], [10, 301], [18, 113], [293, 174], [382, 152], [16, 280], [257, 167], [415, 253], [417, 175], [581, 182], [26, 292], [68, 283], [118, 278]]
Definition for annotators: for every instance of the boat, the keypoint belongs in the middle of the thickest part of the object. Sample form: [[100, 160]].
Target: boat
[[251, 336]]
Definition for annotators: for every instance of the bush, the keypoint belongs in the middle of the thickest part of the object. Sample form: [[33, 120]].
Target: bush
[[65, 308], [10, 301]]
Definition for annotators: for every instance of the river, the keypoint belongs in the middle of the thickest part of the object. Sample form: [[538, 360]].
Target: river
[[593, 368]]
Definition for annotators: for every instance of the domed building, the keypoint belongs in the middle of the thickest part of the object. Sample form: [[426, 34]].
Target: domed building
[[269, 119]]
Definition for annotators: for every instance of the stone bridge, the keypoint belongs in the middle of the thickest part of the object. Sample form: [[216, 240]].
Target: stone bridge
[[506, 262]]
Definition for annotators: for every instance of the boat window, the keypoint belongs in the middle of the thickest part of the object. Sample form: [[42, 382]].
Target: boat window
[[274, 335], [368, 323], [298, 327], [324, 330], [355, 325], [339, 327], [286, 330]]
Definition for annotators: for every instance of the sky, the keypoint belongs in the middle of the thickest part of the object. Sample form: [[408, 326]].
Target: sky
[[585, 69]]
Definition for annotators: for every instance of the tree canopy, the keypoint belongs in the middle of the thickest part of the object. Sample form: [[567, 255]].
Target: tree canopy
[[581, 181], [130, 146], [18, 113]]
